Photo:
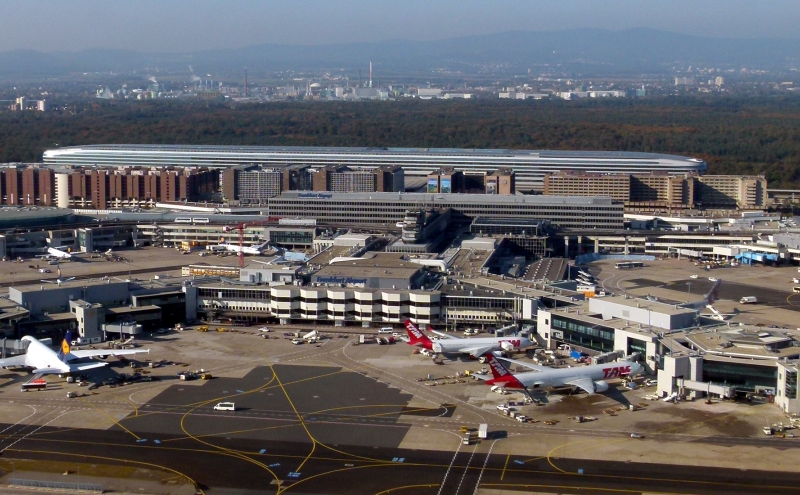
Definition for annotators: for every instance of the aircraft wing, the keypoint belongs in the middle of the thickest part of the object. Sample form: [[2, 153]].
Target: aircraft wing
[[442, 334], [72, 368], [582, 382], [477, 351], [13, 361], [87, 366], [105, 352], [526, 365]]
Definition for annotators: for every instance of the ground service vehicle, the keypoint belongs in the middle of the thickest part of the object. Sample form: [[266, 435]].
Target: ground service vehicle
[[34, 385], [748, 300], [225, 406]]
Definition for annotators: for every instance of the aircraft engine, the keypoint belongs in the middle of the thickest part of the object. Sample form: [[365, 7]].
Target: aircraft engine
[[600, 386]]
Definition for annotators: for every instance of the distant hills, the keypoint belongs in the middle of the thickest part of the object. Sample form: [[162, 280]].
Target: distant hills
[[586, 51]]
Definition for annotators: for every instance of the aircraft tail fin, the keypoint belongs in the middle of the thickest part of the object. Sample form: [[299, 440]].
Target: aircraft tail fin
[[415, 336], [713, 294], [63, 352], [500, 374]]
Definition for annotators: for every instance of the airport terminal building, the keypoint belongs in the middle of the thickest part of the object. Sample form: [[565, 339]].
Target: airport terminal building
[[529, 166]]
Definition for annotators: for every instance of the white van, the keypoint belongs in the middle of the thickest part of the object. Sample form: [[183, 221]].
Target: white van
[[225, 406], [386, 330]]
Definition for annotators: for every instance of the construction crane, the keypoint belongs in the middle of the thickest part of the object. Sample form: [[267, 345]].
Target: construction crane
[[240, 227]]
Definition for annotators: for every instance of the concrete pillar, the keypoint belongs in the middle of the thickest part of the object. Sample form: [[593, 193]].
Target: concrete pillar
[[596, 245], [566, 246], [627, 248]]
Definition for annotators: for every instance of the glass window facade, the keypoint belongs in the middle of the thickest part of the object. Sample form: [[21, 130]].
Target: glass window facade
[[790, 391], [594, 337], [742, 376]]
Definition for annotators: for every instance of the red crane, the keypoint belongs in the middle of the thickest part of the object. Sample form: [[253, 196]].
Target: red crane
[[240, 229]]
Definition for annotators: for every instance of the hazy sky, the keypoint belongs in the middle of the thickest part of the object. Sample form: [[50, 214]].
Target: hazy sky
[[186, 25]]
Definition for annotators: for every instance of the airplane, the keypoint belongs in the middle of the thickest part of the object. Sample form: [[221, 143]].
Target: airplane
[[233, 248], [43, 360], [708, 303], [708, 299], [592, 378], [58, 280], [474, 347], [58, 253]]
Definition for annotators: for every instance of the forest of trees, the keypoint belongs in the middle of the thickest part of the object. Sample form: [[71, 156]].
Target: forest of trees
[[733, 135]]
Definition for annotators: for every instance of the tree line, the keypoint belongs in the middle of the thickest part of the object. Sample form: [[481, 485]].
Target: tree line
[[733, 135]]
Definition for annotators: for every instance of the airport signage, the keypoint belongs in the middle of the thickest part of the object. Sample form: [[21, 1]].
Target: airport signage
[[341, 280], [315, 196]]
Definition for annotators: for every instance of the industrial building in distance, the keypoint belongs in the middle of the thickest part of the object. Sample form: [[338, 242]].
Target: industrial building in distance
[[529, 166]]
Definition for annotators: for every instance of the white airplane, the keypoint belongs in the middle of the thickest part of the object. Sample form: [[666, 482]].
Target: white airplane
[[233, 248], [708, 299], [58, 280], [474, 347], [592, 379], [43, 360], [58, 253], [708, 303]]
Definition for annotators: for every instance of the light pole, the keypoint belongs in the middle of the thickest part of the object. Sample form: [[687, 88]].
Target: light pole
[[689, 284]]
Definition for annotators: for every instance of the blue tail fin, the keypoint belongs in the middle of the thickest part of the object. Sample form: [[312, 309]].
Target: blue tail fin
[[65, 347]]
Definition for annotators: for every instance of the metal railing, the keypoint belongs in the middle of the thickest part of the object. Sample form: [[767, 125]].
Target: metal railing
[[57, 485]]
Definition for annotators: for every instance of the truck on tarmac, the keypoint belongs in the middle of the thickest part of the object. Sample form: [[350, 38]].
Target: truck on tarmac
[[748, 300], [483, 430]]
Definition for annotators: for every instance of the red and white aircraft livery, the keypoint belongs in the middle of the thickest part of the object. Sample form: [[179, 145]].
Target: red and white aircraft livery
[[474, 347], [592, 379]]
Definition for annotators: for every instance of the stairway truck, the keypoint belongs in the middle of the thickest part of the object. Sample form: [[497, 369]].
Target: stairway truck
[[748, 300], [483, 430]]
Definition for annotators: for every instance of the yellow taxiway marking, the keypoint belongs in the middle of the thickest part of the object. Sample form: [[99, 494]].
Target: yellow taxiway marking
[[390, 490], [114, 459], [116, 422]]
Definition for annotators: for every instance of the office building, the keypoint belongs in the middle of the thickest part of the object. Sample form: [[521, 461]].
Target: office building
[[387, 209], [446, 180], [102, 188], [251, 185], [501, 181], [643, 192], [732, 191], [529, 166], [255, 185]]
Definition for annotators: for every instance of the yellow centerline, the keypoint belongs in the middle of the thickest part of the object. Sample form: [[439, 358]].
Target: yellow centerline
[[116, 422], [300, 418]]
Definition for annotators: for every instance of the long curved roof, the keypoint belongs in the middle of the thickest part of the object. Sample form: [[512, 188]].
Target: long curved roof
[[529, 166]]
